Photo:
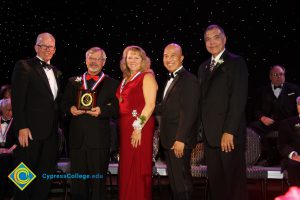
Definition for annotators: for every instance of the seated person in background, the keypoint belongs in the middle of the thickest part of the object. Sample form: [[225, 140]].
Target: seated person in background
[[5, 91], [274, 103], [7, 145], [289, 146]]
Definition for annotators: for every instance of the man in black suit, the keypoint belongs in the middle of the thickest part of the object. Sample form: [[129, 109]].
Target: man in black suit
[[7, 146], [178, 110], [273, 103], [90, 129], [224, 84], [35, 92], [289, 146]]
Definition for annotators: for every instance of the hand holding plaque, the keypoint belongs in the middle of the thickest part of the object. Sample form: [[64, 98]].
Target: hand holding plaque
[[86, 99]]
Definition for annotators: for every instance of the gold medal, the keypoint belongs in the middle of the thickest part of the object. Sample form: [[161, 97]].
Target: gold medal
[[120, 99]]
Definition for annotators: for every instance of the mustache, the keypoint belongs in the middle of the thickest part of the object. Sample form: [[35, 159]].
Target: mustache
[[94, 64]]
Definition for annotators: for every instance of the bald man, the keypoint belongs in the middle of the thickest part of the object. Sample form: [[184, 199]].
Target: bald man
[[35, 92], [178, 110]]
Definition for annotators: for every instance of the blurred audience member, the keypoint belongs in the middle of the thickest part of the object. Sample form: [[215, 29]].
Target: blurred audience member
[[274, 102], [289, 146], [5, 91], [7, 146]]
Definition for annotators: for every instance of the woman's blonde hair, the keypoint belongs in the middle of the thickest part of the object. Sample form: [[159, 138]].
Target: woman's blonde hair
[[145, 60]]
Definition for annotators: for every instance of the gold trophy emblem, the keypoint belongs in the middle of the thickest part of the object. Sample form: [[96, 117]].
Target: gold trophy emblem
[[86, 99]]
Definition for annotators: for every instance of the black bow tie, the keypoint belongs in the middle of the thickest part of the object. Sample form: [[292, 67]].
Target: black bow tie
[[172, 75], [279, 86], [5, 121], [46, 65]]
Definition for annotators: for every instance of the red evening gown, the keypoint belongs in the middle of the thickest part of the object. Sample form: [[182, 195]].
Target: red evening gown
[[135, 165]]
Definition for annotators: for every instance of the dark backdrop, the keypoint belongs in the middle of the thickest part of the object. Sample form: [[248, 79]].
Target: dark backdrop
[[264, 32]]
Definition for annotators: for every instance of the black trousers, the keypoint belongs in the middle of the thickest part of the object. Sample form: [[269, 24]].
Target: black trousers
[[6, 167], [293, 169], [93, 162], [179, 173], [226, 173], [40, 157]]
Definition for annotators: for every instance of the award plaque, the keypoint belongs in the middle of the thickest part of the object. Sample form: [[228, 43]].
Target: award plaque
[[86, 99]]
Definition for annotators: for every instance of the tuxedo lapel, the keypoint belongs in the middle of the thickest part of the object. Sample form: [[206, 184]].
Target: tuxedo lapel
[[39, 68], [179, 74]]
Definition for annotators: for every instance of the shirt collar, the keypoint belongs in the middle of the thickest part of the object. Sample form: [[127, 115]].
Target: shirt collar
[[177, 70], [217, 58], [43, 60]]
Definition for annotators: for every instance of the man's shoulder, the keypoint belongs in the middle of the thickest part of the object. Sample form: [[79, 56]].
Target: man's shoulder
[[188, 75], [291, 86], [291, 120], [26, 62]]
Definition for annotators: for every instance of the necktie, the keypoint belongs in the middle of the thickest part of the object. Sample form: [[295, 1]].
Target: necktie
[[212, 65], [89, 77], [279, 86]]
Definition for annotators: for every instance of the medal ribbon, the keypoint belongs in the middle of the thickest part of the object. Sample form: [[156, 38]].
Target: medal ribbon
[[124, 81], [3, 136], [95, 84]]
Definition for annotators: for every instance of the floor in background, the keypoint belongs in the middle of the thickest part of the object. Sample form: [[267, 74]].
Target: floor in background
[[162, 192]]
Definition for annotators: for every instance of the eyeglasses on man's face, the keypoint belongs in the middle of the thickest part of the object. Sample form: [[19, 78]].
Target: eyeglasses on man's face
[[277, 74], [95, 59], [46, 47]]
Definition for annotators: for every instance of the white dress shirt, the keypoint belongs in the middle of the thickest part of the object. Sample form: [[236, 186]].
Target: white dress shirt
[[171, 80], [51, 79]]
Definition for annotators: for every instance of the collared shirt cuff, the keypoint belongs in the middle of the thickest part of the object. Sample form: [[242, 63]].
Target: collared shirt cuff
[[292, 153]]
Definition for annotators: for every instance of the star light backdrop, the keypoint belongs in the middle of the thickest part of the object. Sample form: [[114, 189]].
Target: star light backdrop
[[264, 32]]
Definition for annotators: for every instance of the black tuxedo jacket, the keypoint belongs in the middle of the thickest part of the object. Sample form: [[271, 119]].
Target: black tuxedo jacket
[[289, 136], [33, 104], [95, 131], [179, 110], [223, 99], [280, 108]]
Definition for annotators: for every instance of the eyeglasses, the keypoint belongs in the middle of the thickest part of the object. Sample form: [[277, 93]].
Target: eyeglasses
[[277, 75], [96, 59], [45, 47]]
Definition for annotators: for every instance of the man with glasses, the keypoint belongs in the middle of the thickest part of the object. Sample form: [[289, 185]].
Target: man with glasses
[[35, 92], [273, 103], [90, 101]]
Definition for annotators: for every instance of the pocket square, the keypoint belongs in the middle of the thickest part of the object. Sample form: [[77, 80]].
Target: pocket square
[[290, 94], [109, 104]]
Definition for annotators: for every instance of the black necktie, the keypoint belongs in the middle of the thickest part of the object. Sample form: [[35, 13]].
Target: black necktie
[[275, 87]]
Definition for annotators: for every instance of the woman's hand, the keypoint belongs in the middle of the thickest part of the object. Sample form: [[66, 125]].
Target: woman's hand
[[136, 138]]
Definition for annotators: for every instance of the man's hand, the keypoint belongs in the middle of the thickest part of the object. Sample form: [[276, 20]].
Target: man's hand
[[266, 120], [136, 138], [95, 112], [227, 142], [296, 157], [24, 134], [76, 112], [178, 148]]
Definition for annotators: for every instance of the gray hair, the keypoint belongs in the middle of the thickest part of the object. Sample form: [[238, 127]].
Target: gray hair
[[41, 36], [95, 49], [4, 102]]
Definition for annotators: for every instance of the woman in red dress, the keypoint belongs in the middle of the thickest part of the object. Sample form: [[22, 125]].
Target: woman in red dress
[[136, 94]]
